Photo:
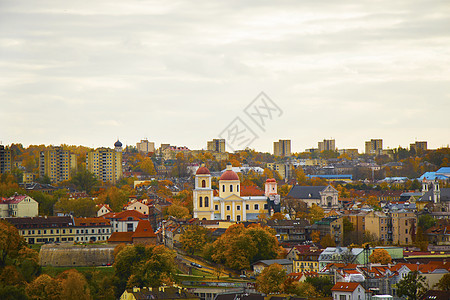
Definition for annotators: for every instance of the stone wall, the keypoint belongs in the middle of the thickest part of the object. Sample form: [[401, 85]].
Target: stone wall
[[69, 255]]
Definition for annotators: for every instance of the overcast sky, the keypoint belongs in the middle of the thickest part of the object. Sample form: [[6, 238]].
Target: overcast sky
[[179, 72]]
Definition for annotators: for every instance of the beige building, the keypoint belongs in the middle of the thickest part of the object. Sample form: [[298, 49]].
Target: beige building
[[327, 145], [28, 177], [282, 148], [229, 205], [374, 147], [379, 224], [216, 145], [403, 225], [57, 164], [284, 170], [5, 160], [18, 206], [419, 146], [145, 146], [105, 164]]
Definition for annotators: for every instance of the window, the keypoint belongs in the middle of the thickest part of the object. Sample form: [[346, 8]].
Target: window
[[237, 188], [247, 206], [406, 230], [130, 227], [223, 188], [238, 207], [216, 207], [228, 207], [238, 218], [231, 188], [206, 202], [228, 218], [266, 206], [203, 183], [256, 206], [200, 202]]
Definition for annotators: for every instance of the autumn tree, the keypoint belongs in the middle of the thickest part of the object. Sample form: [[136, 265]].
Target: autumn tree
[[278, 216], [315, 237], [81, 207], [349, 234], [373, 201], [178, 211], [322, 284], [74, 285], [239, 247], [143, 266], [271, 279], [115, 197], [380, 256], [194, 238], [327, 241], [413, 286], [306, 290], [146, 165], [316, 213], [45, 287]]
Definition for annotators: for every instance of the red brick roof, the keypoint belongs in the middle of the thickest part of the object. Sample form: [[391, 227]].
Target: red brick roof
[[121, 237], [251, 190], [345, 286], [123, 215], [144, 230], [91, 221]]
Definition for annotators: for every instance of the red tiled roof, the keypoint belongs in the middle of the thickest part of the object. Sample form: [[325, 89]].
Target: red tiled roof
[[229, 175], [13, 199], [91, 221], [251, 190], [345, 286], [121, 237], [125, 214], [202, 170], [144, 230]]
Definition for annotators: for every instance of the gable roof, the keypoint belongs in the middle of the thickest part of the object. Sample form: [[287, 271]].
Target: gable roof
[[144, 230], [121, 237], [123, 215], [306, 192], [345, 286]]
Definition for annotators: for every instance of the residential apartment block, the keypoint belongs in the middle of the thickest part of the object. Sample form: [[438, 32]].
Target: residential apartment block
[[397, 227], [283, 169], [374, 147], [145, 146], [327, 145], [216, 145], [282, 148], [105, 164], [422, 145], [57, 164], [5, 160]]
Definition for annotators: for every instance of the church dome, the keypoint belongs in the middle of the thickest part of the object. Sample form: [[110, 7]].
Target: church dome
[[118, 144], [229, 174], [202, 171], [271, 180]]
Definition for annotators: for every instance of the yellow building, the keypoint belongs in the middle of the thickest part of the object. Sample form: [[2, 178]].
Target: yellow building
[[216, 145], [379, 224], [403, 224], [105, 164], [229, 205], [57, 164], [282, 148], [284, 170], [5, 160]]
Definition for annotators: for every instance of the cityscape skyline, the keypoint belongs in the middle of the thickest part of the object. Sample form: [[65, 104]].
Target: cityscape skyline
[[86, 73]]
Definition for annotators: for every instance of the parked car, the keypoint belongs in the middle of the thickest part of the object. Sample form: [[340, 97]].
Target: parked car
[[196, 265]]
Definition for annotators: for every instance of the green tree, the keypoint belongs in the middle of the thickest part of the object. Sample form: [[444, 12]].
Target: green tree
[[84, 180], [413, 286], [271, 279], [194, 238], [82, 207], [444, 283], [143, 266], [322, 284], [349, 234], [426, 222]]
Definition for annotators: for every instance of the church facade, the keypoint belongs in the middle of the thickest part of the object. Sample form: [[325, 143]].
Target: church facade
[[229, 205]]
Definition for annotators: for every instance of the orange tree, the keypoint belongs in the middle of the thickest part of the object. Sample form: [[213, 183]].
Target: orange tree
[[380, 256]]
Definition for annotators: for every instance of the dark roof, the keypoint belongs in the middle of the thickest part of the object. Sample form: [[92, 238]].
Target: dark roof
[[118, 144], [235, 296], [290, 223], [444, 195], [436, 295], [41, 222], [305, 192], [168, 293]]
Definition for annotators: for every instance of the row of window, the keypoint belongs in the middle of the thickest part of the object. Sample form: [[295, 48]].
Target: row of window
[[231, 188], [50, 231], [238, 207]]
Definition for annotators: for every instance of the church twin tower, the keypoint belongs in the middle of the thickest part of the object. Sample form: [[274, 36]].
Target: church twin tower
[[229, 205]]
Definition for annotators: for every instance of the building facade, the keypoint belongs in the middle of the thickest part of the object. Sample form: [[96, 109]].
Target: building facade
[[18, 206], [229, 205], [282, 148], [374, 147], [145, 146], [57, 164], [216, 145], [327, 145], [105, 164], [323, 196], [5, 160]]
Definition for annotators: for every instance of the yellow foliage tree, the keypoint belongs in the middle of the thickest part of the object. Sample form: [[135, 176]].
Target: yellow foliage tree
[[380, 256]]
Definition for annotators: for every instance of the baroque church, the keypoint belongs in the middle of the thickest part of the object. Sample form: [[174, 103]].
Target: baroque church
[[229, 205]]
